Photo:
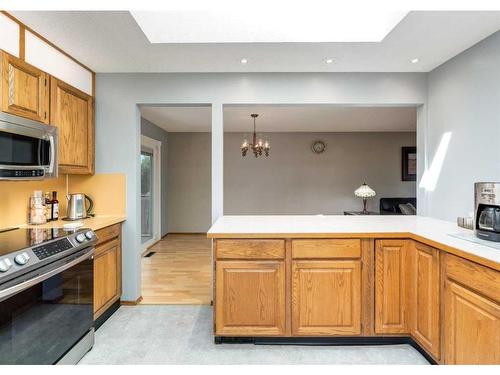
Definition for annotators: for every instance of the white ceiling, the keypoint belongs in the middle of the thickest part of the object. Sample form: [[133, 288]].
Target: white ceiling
[[112, 41], [285, 118]]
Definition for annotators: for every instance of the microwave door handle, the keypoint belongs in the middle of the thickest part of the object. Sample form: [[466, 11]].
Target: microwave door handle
[[52, 154], [40, 151], [6, 293]]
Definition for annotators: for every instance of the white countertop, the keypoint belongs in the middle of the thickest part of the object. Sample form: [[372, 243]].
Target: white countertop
[[437, 232]]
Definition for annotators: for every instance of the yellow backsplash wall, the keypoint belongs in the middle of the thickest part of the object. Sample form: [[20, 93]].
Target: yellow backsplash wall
[[106, 190]]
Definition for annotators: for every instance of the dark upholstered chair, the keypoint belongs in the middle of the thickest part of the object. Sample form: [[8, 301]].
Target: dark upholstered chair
[[390, 206]]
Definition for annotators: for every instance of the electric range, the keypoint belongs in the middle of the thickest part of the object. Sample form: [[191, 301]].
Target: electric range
[[46, 295]]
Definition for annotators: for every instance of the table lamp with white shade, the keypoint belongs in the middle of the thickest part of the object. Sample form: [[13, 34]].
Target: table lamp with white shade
[[365, 192]]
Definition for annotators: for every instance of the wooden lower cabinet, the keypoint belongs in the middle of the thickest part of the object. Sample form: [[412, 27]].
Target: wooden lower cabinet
[[315, 287], [391, 286], [471, 313], [326, 297], [424, 297], [250, 298], [107, 269]]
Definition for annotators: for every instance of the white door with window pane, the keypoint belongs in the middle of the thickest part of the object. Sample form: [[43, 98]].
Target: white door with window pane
[[150, 191], [146, 196]]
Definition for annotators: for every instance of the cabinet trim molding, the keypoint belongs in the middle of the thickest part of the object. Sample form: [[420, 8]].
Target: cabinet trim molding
[[21, 41]]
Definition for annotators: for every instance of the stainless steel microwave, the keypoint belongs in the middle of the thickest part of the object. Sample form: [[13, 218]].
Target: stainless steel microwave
[[28, 149]]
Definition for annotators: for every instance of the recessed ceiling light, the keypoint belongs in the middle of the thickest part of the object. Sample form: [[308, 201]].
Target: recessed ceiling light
[[329, 60], [414, 61], [244, 60]]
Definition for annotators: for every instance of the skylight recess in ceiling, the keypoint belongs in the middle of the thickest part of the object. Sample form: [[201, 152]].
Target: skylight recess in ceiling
[[266, 23]]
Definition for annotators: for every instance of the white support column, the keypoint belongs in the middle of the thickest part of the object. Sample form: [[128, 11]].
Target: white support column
[[217, 161], [422, 161]]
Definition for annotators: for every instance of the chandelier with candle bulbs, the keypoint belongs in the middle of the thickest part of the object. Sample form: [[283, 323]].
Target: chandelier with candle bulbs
[[258, 146]]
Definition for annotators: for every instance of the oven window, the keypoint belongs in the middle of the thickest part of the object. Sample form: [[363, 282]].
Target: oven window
[[22, 150], [40, 324]]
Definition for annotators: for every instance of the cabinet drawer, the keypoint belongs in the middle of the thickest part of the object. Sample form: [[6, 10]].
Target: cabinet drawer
[[482, 279], [108, 233], [103, 247], [328, 248], [250, 249]]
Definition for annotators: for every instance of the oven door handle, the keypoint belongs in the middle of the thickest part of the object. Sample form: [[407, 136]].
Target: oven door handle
[[6, 293]]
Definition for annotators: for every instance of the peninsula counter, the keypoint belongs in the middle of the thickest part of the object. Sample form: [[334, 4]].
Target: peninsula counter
[[360, 279]]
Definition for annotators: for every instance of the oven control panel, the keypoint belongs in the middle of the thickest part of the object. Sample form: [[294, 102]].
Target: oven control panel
[[52, 248], [17, 260], [5, 264], [44, 252]]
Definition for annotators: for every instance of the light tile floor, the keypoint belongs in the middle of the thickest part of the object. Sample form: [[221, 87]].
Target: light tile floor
[[182, 334]]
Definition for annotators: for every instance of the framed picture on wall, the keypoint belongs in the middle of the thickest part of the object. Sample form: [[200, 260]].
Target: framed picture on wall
[[409, 164]]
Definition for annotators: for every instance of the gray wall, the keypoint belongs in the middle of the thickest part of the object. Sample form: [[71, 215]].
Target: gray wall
[[152, 131], [294, 180], [464, 99], [118, 120], [189, 182]]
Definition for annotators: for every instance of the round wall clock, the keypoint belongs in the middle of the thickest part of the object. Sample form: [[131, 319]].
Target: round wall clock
[[318, 147]]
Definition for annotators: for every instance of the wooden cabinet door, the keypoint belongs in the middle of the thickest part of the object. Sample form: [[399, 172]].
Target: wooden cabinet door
[[250, 298], [391, 291], [471, 316], [72, 111], [425, 301], [24, 89], [107, 276], [471, 327], [326, 297]]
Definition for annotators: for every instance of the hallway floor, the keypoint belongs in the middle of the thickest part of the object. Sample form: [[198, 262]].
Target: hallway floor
[[180, 272], [183, 335]]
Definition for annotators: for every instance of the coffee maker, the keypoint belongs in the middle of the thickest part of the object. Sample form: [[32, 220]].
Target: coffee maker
[[487, 210]]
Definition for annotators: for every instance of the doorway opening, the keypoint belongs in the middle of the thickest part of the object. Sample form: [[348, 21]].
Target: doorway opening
[[176, 267], [319, 155]]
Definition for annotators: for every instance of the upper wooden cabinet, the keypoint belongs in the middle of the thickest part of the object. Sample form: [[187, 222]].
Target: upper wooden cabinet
[[424, 297], [391, 286], [24, 89], [326, 297], [471, 313], [72, 111], [250, 298]]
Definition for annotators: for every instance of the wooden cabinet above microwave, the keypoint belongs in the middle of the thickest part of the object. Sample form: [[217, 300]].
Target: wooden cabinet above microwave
[[24, 89], [28, 92]]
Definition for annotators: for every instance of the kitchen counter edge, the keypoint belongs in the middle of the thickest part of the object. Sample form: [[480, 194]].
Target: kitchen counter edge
[[466, 249]]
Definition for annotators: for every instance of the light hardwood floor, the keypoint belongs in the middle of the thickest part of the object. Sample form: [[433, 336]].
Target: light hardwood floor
[[180, 272]]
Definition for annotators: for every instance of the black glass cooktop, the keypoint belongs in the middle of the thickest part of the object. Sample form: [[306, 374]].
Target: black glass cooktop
[[17, 239]]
